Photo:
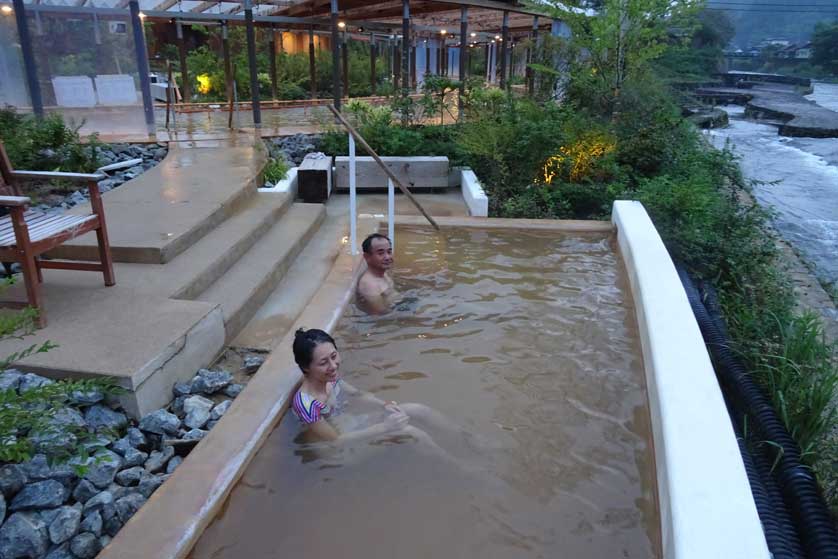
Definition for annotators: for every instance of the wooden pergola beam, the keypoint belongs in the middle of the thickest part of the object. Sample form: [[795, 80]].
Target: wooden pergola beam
[[165, 5], [317, 7], [207, 4]]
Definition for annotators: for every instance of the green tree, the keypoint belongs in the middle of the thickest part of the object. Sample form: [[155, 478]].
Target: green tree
[[619, 44], [825, 46]]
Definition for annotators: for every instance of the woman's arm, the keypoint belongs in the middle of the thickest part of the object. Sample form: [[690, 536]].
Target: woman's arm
[[321, 430], [366, 396]]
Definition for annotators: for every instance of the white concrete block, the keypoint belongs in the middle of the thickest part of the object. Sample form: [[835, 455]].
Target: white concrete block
[[116, 89], [473, 194], [413, 172], [74, 91], [288, 184], [706, 506]]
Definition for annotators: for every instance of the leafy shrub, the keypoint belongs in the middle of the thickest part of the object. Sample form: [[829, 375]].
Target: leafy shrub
[[46, 144], [28, 421], [276, 170]]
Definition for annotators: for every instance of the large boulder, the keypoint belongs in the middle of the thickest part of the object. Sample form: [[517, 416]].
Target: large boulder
[[85, 546], [12, 479], [102, 468], [45, 494], [10, 379], [160, 422], [23, 535], [65, 525], [158, 459], [210, 382], [128, 506], [198, 410], [103, 418]]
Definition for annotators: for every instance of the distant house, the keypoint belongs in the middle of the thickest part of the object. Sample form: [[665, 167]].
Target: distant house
[[804, 52], [799, 52]]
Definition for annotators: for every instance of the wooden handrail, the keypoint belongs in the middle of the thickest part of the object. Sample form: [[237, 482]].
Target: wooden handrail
[[390, 174]]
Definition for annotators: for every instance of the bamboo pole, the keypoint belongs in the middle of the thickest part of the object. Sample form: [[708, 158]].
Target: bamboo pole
[[386, 169]]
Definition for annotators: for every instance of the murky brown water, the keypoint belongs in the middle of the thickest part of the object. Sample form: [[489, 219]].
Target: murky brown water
[[529, 342]]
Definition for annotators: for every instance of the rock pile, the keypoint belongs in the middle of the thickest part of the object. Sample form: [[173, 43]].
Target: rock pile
[[72, 509], [293, 148], [151, 154]]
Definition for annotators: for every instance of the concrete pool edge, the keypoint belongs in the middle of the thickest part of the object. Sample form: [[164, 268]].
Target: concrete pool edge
[[176, 515], [706, 506]]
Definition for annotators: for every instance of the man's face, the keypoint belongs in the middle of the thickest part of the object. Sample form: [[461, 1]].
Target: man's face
[[380, 256]]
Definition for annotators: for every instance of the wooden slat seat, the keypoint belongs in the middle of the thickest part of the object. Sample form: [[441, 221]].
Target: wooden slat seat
[[42, 225], [26, 234]]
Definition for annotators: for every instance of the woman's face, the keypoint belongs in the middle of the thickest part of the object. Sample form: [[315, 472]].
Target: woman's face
[[325, 362]]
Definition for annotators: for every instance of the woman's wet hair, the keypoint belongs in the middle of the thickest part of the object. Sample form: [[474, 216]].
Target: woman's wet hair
[[305, 341]]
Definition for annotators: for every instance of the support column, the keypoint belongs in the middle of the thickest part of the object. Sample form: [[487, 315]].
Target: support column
[[405, 47], [464, 56], [531, 56], [312, 64], [29, 59], [413, 81], [428, 56], [504, 50], [336, 93], [373, 77], [142, 66], [493, 68], [397, 67], [272, 61], [344, 47], [251, 62], [228, 68], [186, 85]]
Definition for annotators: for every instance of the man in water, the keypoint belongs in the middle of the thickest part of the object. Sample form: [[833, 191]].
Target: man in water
[[375, 288]]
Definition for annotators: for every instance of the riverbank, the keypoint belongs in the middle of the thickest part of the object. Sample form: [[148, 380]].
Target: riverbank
[[799, 116]]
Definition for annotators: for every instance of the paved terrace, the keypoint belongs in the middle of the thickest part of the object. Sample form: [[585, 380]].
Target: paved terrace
[[802, 117]]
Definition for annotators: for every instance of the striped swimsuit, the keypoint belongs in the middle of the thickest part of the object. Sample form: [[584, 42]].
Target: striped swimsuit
[[310, 410]]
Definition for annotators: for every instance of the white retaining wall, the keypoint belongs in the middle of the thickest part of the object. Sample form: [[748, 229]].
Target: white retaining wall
[[706, 506], [473, 194], [288, 184]]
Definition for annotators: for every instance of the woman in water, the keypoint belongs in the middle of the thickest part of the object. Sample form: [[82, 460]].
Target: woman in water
[[321, 399]]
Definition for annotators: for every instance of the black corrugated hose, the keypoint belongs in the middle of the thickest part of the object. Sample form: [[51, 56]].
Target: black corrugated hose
[[796, 482]]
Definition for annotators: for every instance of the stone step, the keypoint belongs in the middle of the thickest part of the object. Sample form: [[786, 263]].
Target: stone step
[[194, 271], [163, 212], [272, 320], [245, 286]]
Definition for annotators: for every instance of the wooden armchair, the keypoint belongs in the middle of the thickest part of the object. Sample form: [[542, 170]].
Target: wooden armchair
[[26, 234]]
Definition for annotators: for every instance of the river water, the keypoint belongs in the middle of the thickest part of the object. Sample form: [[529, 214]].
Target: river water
[[798, 179]]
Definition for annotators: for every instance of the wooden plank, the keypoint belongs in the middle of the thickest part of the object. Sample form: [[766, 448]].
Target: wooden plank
[[55, 175], [67, 265], [51, 242], [14, 201]]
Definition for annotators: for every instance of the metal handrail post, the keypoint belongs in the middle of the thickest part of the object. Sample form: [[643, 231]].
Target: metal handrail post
[[391, 212], [353, 214], [387, 171]]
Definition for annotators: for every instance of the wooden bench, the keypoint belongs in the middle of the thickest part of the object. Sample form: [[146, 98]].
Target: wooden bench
[[26, 234]]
